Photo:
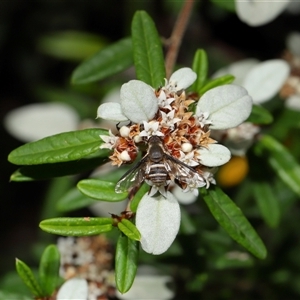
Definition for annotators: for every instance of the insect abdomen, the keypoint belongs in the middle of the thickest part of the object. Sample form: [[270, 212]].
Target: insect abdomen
[[157, 174]]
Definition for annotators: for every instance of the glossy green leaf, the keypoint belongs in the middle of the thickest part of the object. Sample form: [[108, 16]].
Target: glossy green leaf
[[281, 161], [100, 190], [70, 45], [46, 171], [267, 202], [126, 260], [226, 79], [138, 196], [147, 50], [260, 115], [73, 200], [4, 295], [61, 147], [129, 229], [231, 218], [111, 60], [77, 226], [200, 66], [49, 270], [28, 278]]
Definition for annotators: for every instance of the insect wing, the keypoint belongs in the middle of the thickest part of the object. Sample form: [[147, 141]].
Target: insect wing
[[183, 173], [133, 177]]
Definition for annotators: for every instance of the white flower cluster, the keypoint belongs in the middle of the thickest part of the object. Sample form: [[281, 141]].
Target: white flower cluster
[[181, 123]]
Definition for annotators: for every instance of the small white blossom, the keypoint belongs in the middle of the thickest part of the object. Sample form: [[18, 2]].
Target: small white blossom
[[203, 118], [188, 158], [163, 101], [168, 119], [151, 128], [109, 140], [208, 175], [161, 189]]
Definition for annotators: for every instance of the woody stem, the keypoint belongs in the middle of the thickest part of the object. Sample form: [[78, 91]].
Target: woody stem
[[176, 36]]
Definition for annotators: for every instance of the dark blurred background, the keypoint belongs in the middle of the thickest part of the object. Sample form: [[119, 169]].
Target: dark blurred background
[[24, 66]]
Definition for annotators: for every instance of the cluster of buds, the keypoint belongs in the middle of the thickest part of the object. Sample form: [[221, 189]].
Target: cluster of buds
[[182, 123]]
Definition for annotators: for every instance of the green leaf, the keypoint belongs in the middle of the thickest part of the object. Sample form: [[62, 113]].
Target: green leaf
[[267, 202], [111, 60], [61, 147], [46, 171], [147, 50], [260, 115], [226, 79], [28, 278], [138, 196], [233, 221], [4, 295], [70, 45], [281, 161], [73, 200], [49, 270], [228, 4], [100, 190], [126, 260], [77, 226], [287, 120], [129, 229], [200, 66]]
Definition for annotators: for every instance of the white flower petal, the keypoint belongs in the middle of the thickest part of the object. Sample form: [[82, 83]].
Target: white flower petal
[[184, 197], [215, 155], [293, 103], [293, 42], [158, 220], [148, 287], [228, 106], [182, 78], [36, 121], [265, 79], [75, 288], [138, 101], [258, 12], [111, 111], [238, 69]]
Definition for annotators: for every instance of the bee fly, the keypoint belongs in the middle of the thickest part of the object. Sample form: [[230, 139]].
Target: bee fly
[[158, 168]]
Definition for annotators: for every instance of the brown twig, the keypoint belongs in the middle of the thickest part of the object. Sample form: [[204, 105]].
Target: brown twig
[[176, 36]]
